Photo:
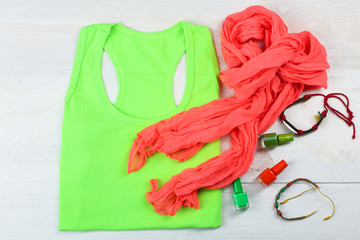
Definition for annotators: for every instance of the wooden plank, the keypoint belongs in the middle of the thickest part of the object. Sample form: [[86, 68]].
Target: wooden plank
[[32, 212], [37, 47]]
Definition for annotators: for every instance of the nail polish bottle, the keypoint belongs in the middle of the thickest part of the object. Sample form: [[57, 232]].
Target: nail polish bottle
[[269, 175], [270, 140], [240, 198]]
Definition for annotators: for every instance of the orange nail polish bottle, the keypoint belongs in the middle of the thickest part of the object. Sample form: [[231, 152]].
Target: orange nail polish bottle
[[269, 175]]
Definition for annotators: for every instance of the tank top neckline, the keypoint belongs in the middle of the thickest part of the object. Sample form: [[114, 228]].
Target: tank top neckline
[[99, 83]]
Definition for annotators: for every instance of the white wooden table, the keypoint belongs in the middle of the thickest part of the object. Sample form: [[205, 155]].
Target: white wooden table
[[37, 47]]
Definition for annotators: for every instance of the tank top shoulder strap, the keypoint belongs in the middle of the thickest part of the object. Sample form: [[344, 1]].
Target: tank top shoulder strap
[[206, 83], [88, 53]]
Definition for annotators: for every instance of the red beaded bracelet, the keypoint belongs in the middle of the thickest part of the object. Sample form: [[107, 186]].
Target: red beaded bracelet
[[323, 114]]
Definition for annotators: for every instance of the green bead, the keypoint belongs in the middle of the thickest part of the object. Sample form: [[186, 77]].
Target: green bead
[[278, 196], [283, 189], [276, 204]]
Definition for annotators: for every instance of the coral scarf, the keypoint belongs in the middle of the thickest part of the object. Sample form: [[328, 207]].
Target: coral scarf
[[265, 80]]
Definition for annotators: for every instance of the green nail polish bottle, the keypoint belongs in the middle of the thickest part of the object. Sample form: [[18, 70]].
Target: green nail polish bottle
[[240, 198], [272, 140]]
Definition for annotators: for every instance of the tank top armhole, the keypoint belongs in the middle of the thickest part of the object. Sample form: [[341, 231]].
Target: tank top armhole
[[77, 64], [213, 56]]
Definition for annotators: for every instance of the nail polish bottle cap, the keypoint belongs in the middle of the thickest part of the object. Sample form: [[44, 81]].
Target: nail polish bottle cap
[[279, 167], [284, 138]]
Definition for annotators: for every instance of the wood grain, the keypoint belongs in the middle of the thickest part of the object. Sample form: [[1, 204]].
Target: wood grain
[[37, 48]]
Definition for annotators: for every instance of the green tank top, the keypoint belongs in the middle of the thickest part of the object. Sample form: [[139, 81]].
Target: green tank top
[[96, 192]]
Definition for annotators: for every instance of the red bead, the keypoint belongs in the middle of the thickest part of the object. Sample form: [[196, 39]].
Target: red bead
[[306, 97], [300, 132], [315, 127], [282, 117], [324, 113]]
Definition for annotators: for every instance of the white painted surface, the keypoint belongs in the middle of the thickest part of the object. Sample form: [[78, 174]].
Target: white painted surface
[[37, 48]]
